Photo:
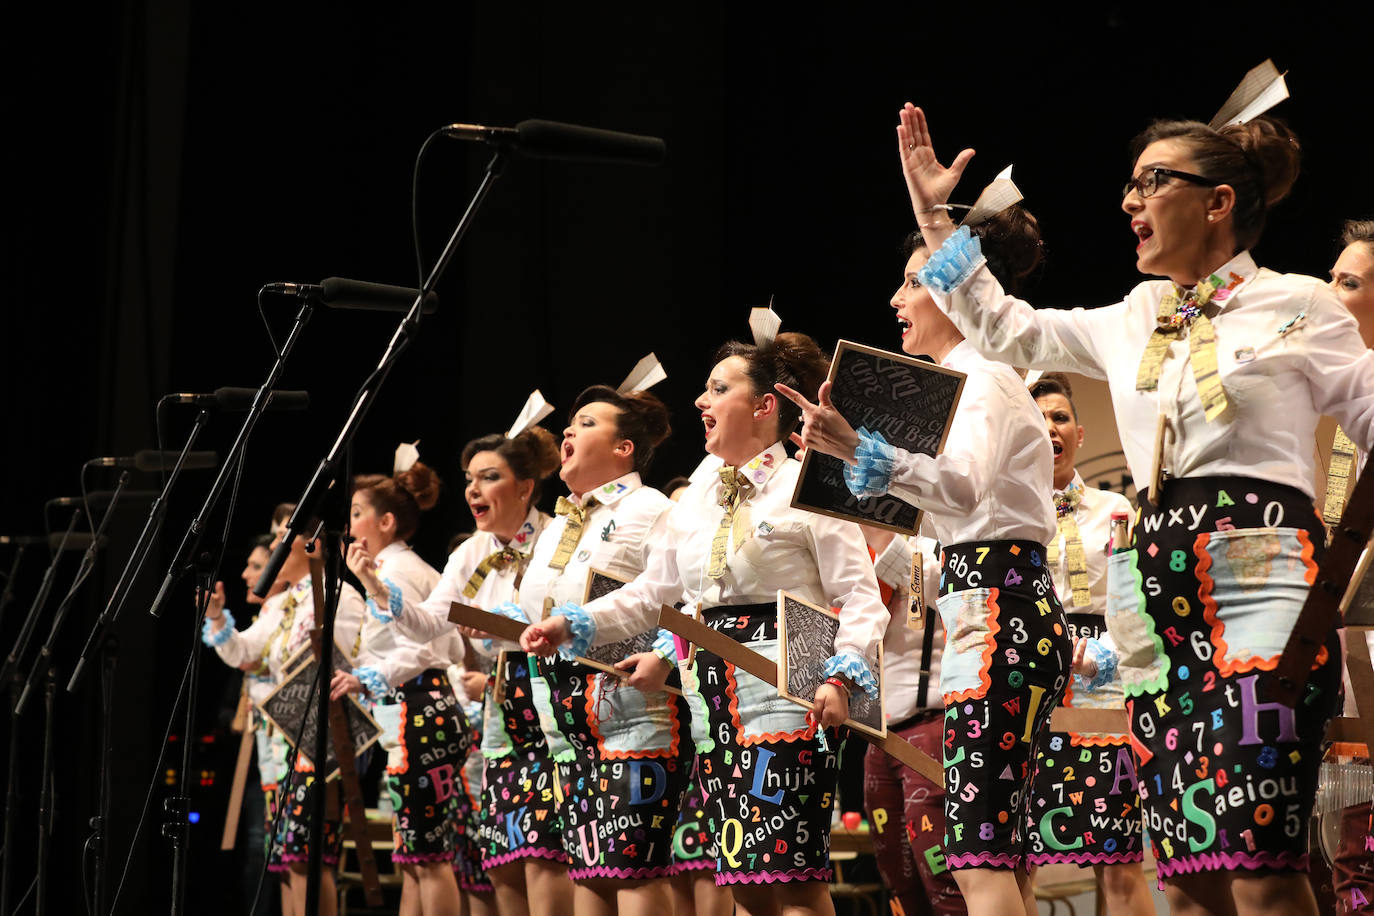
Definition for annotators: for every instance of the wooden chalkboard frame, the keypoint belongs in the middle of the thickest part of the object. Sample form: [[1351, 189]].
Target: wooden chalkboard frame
[[358, 716], [597, 657], [1355, 593], [813, 463], [801, 693]]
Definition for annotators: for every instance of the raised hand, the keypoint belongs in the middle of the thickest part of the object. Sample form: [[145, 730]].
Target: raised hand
[[1083, 666], [823, 429], [927, 181], [359, 562], [215, 609]]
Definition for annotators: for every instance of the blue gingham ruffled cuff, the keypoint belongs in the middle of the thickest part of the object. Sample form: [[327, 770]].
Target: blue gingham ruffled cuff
[[852, 665], [506, 609], [212, 638], [873, 473], [954, 263], [393, 601], [1106, 661], [582, 627], [664, 647], [372, 681]]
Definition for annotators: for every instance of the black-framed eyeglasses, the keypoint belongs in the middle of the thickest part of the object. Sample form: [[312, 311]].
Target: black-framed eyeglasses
[[1149, 181]]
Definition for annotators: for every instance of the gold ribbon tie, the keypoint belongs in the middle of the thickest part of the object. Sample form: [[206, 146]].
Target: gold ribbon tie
[[1067, 528], [735, 490], [572, 529], [495, 562], [1182, 315], [1338, 477]]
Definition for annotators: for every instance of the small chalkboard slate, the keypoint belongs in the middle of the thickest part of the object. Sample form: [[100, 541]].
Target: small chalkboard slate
[[909, 401], [603, 658], [1357, 606], [806, 638], [294, 702]]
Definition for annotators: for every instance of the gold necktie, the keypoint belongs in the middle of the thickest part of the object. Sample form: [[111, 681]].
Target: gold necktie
[[284, 627], [735, 489], [499, 560], [1185, 318], [1067, 527], [572, 529], [1338, 477]]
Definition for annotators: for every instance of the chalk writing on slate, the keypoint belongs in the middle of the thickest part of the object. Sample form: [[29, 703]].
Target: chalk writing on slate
[[295, 701], [1358, 604], [911, 402], [600, 584], [806, 635]]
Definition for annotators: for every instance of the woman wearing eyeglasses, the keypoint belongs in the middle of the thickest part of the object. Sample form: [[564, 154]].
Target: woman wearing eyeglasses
[[1217, 376]]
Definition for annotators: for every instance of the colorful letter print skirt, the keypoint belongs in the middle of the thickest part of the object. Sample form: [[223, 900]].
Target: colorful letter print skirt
[[769, 773], [1085, 807], [521, 793], [1201, 610], [1004, 667]]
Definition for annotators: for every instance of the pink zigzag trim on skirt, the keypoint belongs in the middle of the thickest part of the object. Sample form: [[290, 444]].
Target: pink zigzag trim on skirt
[[533, 852], [421, 858], [1086, 858], [702, 864], [772, 877], [288, 857], [621, 874], [1229, 861], [984, 860], [476, 887]]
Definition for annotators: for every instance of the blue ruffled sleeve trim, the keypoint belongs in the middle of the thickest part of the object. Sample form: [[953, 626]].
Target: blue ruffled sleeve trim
[[1106, 661], [372, 680], [506, 609], [394, 603], [212, 638], [583, 629], [853, 666], [951, 266], [664, 647], [872, 475]]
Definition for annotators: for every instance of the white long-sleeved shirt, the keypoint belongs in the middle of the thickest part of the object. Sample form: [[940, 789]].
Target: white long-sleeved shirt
[[1277, 384], [395, 656], [820, 559], [278, 634], [428, 619], [993, 479], [617, 536], [902, 645]]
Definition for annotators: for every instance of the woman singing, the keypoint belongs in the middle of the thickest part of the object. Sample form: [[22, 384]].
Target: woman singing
[[1217, 375]]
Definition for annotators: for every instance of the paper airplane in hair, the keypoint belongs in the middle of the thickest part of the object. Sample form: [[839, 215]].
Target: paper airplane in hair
[[1262, 89], [996, 197], [535, 409], [647, 373], [406, 456], [764, 322]]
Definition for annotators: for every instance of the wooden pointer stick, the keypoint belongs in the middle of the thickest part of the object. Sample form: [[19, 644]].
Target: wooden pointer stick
[[231, 820]]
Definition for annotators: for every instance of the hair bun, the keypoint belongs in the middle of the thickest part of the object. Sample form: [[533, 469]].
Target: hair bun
[[1273, 149], [799, 356], [422, 483], [544, 450]]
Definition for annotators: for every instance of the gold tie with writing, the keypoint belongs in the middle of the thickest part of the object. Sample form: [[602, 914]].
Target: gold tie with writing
[[735, 489], [572, 529], [1184, 317], [1067, 527], [496, 561]]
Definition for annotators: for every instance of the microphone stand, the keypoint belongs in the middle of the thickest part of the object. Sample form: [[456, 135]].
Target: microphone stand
[[320, 752], [87, 563], [328, 468], [40, 599], [7, 596], [142, 548], [45, 797]]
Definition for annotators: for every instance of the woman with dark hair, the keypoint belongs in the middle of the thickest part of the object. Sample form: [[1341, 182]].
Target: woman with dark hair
[[730, 544], [518, 828], [1218, 375], [610, 740], [1352, 276], [279, 634], [987, 500], [425, 731]]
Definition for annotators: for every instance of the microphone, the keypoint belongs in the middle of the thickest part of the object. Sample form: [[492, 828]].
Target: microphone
[[23, 540], [555, 140], [153, 460], [342, 293], [102, 497], [241, 399]]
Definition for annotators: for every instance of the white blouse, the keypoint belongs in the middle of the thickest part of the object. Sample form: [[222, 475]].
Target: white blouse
[[820, 559], [993, 479], [1277, 383], [902, 645], [428, 619], [279, 633], [395, 656], [626, 521]]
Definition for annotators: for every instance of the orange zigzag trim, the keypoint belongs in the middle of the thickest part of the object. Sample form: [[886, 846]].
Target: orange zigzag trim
[[990, 641], [805, 734], [1206, 585]]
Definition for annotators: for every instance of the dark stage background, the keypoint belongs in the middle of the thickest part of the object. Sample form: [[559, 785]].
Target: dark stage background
[[164, 160]]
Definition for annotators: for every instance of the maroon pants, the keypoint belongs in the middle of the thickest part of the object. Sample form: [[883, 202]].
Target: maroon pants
[[1353, 871], [906, 816]]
